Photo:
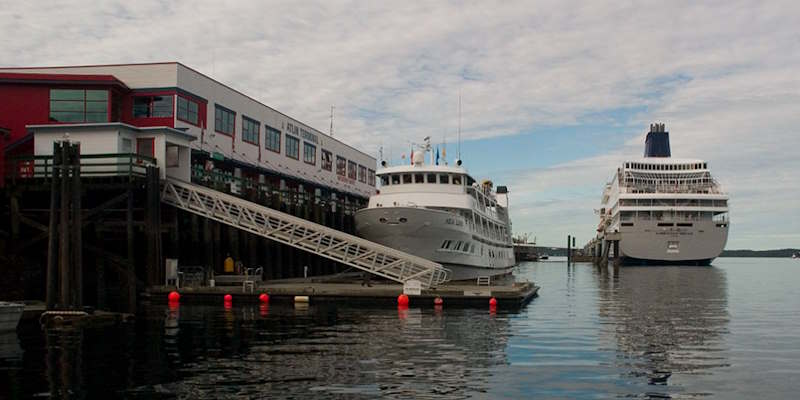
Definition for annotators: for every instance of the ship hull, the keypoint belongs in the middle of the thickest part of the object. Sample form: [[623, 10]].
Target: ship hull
[[647, 243], [422, 232]]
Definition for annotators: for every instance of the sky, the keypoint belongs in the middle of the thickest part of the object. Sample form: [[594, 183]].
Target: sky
[[554, 95]]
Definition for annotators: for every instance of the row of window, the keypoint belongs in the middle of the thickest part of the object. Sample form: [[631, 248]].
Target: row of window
[[468, 247], [224, 123], [398, 179], [667, 167]]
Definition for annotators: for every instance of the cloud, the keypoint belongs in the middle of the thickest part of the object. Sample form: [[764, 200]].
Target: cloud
[[721, 74]]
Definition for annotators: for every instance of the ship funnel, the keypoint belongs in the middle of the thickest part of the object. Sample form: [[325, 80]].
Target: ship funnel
[[657, 142]]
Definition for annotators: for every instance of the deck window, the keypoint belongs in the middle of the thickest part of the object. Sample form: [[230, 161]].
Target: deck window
[[406, 178], [188, 110], [272, 140], [456, 179], [341, 166], [371, 177], [250, 130], [384, 180], [224, 120], [292, 147], [419, 178], [431, 178], [75, 105], [395, 179], [327, 160], [352, 170], [444, 178], [309, 153]]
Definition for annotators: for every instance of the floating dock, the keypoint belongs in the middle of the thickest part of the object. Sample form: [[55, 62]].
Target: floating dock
[[508, 296]]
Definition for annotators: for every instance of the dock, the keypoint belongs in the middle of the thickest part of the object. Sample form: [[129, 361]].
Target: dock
[[508, 296]]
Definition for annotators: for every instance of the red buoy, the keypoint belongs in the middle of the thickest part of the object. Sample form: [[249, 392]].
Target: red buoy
[[402, 300], [228, 298], [492, 302], [174, 296], [264, 298], [438, 301]]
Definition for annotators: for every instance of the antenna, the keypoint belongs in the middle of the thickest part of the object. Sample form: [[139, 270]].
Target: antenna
[[459, 124], [331, 131]]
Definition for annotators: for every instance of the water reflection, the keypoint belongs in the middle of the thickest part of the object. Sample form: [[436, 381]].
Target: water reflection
[[668, 322], [324, 351]]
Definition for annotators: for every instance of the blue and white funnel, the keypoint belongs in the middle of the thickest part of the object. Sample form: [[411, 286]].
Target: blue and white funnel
[[657, 142]]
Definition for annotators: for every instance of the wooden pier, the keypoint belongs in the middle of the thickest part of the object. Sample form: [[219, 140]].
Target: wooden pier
[[91, 230]]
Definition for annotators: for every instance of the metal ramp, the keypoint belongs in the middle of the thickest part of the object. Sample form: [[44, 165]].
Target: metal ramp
[[302, 234]]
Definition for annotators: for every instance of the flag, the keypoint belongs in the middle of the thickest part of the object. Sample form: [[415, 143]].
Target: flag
[[437, 155]]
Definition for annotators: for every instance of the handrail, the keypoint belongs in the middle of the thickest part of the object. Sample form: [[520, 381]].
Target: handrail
[[104, 164]]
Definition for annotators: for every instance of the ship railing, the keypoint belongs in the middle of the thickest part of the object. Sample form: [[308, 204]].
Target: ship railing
[[700, 189]]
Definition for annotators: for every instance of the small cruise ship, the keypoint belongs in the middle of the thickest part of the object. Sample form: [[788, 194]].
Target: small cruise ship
[[666, 210], [439, 212]]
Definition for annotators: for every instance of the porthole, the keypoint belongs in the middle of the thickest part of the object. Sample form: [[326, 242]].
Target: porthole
[[382, 220], [403, 220]]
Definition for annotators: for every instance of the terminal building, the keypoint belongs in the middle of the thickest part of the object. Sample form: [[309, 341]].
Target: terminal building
[[194, 129], [228, 132]]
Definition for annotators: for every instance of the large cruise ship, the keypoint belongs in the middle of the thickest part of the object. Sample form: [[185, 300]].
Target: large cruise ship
[[666, 210], [441, 213]]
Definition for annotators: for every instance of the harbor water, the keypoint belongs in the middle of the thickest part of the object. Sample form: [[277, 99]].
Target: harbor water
[[727, 331]]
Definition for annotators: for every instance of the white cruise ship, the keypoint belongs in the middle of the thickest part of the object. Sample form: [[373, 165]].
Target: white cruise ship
[[441, 213], [666, 210]]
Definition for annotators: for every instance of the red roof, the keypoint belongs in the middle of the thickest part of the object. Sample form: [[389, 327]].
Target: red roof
[[82, 79]]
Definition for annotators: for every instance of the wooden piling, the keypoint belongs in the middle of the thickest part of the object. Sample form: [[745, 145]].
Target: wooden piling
[[76, 228], [52, 242], [63, 231], [129, 274]]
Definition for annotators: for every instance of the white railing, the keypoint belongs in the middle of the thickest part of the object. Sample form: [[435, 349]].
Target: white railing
[[302, 234]]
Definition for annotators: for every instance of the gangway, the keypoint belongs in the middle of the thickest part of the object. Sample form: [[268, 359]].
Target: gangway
[[302, 234]]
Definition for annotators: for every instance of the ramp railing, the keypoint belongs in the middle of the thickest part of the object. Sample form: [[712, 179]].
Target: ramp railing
[[302, 234]]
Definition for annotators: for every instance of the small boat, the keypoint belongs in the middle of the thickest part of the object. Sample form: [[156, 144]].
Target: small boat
[[10, 313], [544, 257]]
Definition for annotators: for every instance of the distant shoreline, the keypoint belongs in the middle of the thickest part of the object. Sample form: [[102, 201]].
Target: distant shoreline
[[777, 253]]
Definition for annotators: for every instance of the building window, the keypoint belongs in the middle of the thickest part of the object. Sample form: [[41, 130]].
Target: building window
[[78, 105], [224, 120], [292, 147], [327, 160], [152, 106], [188, 110], [146, 147], [352, 170], [362, 174], [341, 166], [273, 139], [250, 130], [309, 153], [371, 177]]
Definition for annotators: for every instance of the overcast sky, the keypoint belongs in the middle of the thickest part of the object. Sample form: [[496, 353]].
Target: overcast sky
[[555, 94]]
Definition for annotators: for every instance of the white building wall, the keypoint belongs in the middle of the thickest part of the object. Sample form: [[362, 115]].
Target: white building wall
[[108, 141]]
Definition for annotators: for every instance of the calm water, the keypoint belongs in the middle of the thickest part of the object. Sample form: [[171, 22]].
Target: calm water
[[727, 331]]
